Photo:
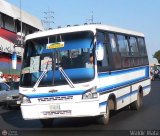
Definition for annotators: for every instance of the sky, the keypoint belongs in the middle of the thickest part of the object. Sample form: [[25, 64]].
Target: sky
[[139, 15]]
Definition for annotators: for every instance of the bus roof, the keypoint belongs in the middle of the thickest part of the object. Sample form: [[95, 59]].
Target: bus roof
[[90, 27]]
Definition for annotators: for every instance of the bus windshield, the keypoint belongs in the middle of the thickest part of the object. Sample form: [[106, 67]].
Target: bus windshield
[[73, 56]]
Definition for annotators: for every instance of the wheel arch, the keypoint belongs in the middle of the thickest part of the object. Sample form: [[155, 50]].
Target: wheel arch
[[112, 97], [140, 90]]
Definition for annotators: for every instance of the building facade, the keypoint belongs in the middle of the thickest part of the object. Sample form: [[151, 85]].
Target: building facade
[[11, 20]]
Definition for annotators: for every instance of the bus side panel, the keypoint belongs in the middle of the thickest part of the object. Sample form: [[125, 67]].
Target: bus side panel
[[106, 83], [146, 87], [123, 97], [124, 84], [103, 103]]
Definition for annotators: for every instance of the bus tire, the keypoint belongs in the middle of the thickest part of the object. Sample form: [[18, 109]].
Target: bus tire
[[46, 122], [104, 119], [136, 105]]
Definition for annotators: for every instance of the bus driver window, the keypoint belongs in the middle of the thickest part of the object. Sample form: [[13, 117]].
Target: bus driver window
[[104, 64]]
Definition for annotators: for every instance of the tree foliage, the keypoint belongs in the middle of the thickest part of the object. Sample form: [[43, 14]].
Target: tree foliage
[[157, 55]]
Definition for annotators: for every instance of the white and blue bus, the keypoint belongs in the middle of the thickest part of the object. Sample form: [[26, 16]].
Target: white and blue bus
[[82, 71]]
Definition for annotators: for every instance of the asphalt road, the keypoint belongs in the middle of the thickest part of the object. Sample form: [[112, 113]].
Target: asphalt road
[[143, 121]]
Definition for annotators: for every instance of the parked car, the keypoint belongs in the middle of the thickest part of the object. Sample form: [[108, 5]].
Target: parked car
[[13, 85], [4, 88], [12, 99], [9, 95]]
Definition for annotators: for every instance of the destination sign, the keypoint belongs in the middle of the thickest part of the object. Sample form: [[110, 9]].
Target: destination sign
[[55, 45]]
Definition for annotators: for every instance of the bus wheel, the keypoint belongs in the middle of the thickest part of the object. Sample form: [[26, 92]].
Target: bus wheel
[[46, 122], [136, 105], [104, 119]]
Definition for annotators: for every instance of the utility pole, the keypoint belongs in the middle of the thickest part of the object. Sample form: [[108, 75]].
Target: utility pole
[[21, 22], [48, 19], [90, 19]]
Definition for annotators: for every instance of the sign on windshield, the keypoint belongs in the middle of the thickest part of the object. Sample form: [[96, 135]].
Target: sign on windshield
[[55, 45], [34, 64]]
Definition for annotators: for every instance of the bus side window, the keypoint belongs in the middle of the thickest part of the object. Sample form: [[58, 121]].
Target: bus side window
[[133, 46], [124, 50], [115, 53], [143, 51]]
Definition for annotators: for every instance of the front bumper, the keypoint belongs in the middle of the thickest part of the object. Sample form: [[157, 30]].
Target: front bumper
[[60, 110]]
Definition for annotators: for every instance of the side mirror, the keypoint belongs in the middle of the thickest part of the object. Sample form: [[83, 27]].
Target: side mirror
[[100, 51]]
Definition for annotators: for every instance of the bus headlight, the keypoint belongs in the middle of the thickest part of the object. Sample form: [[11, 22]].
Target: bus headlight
[[90, 93], [24, 99]]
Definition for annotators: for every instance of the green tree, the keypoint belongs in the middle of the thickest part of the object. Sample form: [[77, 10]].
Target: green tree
[[157, 56]]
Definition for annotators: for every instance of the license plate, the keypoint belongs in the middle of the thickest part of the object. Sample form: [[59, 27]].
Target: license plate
[[55, 107]]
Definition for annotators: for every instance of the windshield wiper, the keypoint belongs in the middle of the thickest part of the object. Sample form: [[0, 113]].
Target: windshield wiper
[[66, 77], [40, 78], [62, 72]]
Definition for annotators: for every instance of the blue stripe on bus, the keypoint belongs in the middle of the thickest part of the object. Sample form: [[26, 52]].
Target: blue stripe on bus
[[115, 73], [121, 72], [103, 104], [108, 88], [77, 92]]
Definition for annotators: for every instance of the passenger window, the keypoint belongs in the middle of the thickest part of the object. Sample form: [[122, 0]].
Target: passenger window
[[143, 51], [123, 45], [124, 50], [115, 53], [142, 47], [133, 46], [113, 42]]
